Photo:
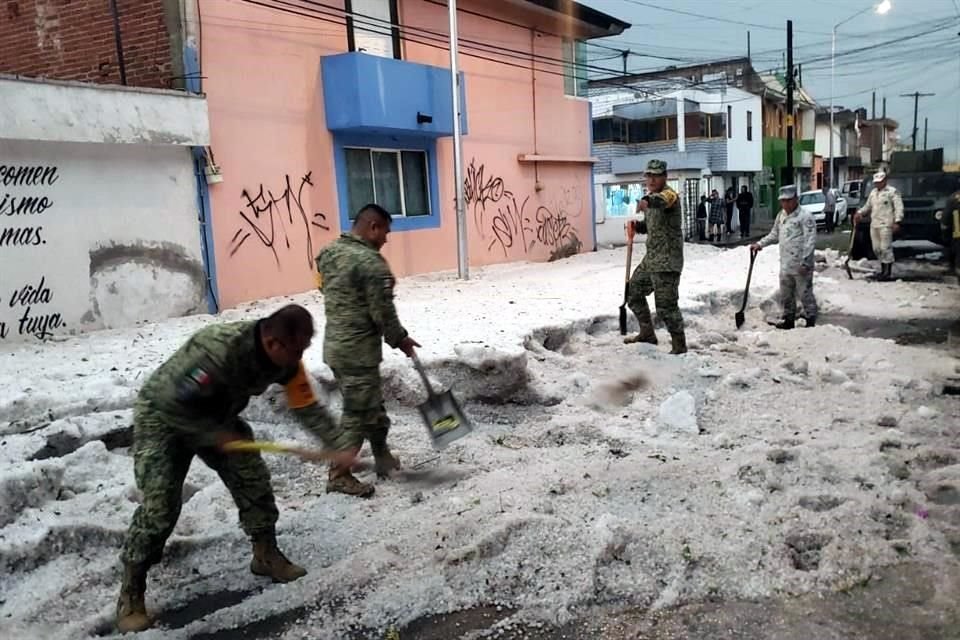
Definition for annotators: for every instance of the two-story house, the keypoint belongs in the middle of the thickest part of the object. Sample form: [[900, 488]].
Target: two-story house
[[710, 139], [860, 145], [739, 73]]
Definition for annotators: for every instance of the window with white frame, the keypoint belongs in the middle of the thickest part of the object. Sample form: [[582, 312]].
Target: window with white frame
[[371, 27], [575, 75], [395, 179]]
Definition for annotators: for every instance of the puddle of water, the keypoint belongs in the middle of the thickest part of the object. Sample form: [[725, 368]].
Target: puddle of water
[[201, 607], [897, 603], [453, 625], [944, 495], [906, 332]]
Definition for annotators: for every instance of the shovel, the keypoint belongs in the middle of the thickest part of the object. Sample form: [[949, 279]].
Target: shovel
[[626, 283], [853, 237], [312, 455], [442, 414], [739, 318]]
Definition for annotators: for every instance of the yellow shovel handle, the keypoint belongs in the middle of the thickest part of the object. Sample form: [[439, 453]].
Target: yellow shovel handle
[[276, 447]]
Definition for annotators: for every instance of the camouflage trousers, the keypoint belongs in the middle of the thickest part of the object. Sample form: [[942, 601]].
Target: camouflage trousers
[[792, 286], [665, 287], [161, 459], [364, 416], [882, 240]]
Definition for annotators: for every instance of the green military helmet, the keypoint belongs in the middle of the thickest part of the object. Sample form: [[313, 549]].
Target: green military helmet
[[656, 168]]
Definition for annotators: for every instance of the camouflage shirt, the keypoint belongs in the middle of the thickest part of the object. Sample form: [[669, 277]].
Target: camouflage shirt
[[797, 234], [203, 387], [357, 288], [664, 232]]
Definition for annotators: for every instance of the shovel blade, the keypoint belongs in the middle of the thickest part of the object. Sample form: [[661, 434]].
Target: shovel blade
[[444, 419], [739, 318]]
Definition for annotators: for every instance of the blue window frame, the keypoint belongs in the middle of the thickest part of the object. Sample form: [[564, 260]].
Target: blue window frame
[[397, 172]]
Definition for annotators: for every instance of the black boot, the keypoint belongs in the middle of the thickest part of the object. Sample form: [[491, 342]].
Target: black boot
[[811, 322], [786, 323], [385, 462], [646, 335], [678, 343]]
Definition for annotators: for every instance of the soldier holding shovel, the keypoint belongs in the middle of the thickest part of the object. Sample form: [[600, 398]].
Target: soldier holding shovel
[[357, 288], [796, 231], [659, 271], [190, 406]]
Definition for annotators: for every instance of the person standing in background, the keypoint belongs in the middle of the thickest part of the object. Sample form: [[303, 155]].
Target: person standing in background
[[745, 209], [702, 219], [829, 209], [716, 216], [884, 210], [729, 201]]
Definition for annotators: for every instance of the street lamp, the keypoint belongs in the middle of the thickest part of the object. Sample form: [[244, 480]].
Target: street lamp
[[883, 7]]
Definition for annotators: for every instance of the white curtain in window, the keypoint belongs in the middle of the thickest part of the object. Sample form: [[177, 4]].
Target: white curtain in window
[[371, 27]]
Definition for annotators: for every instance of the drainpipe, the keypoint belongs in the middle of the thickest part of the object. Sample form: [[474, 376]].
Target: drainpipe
[[115, 13], [533, 89], [191, 69]]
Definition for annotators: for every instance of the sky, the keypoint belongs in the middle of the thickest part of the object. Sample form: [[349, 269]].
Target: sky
[[903, 57]]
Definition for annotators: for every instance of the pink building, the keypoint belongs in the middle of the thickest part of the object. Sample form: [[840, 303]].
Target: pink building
[[316, 109]]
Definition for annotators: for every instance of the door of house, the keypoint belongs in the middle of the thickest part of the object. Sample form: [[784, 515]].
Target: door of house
[[691, 198]]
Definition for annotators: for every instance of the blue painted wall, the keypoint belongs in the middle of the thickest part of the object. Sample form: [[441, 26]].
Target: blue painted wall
[[379, 141], [363, 93]]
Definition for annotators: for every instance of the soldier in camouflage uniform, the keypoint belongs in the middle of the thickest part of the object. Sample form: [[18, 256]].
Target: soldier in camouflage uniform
[[796, 230], [190, 406], [884, 209], [659, 271], [357, 288]]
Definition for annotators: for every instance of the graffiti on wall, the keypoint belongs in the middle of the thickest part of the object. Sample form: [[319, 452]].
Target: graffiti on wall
[[510, 224], [25, 199], [271, 219], [480, 190]]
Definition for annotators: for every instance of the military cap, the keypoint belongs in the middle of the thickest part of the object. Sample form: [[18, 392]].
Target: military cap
[[656, 168], [788, 192]]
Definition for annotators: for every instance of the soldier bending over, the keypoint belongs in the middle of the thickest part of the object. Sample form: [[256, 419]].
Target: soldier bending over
[[191, 406]]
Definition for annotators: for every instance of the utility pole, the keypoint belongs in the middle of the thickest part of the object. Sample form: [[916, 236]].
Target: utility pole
[[916, 95], [884, 108], [463, 262], [873, 107], [925, 123], [748, 45], [625, 54], [787, 178]]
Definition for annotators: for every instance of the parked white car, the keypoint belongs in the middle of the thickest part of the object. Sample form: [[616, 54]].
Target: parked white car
[[813, 202]]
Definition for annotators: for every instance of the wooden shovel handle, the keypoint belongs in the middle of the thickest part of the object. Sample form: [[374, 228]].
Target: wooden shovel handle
[[313, 455]]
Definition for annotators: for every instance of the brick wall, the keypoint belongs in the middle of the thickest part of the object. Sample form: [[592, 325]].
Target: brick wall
[[74, 40]]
